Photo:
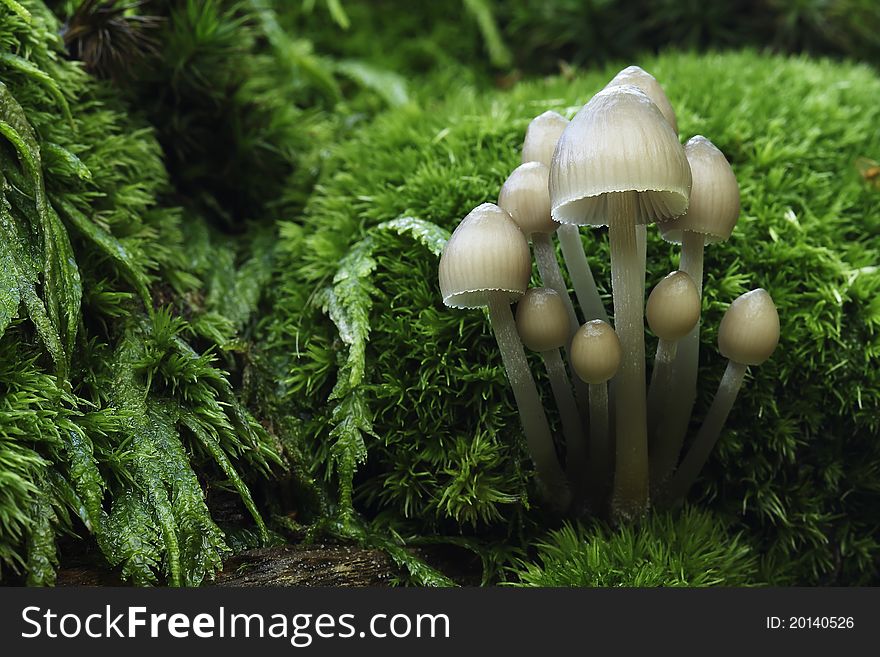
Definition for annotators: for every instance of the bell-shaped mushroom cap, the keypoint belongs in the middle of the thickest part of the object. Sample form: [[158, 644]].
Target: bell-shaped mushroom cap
[[486, 253], [595, 352], [542, 320], [639, 77], [714, 206], [541, 137], [526, 197], [673, 306], [618, 142], [749, 330]]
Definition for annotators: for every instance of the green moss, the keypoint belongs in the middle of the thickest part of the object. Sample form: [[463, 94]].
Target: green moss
[[796, 467], [240, 107], [690, 549], [107, 409]]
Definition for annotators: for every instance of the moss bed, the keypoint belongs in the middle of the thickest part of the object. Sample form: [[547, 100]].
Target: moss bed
[[403, 403], [221, 328]]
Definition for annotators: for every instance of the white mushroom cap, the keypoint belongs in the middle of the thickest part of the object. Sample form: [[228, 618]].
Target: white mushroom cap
[[749, 330], [673, 306], [714, 206], [486, 253], [595, 352], [618, 142], [541, 137], [639, 77], [526, 197], [542, 320]]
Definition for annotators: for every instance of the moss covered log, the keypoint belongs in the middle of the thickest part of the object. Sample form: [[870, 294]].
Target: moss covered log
[[403, 403]]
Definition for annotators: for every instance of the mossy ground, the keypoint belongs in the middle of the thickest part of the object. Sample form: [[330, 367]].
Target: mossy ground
[[796, 469]]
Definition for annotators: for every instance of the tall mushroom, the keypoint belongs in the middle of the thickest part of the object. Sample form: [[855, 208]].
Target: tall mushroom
[[542, 135], [747, 336], [711, 217], [486, 263], [619, 163], [673, 309], [595, 356], [639, 77], [542, 322]]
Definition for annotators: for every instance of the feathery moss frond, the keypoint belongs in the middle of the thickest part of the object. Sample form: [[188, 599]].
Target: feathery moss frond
[[110, 445]]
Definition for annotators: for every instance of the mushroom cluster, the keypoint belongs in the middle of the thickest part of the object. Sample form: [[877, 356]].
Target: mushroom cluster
[[618, 163]]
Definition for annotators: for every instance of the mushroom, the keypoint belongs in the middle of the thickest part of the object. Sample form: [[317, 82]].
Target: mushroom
[[543, 324], [639, 77], [486, 263], [673, 309], [619, 163], [525, 195], [542, 136], [595, 357], [711, 217], [747, 336]]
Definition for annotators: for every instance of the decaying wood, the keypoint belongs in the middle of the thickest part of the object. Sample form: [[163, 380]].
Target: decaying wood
[[287, 565], [313, 565]]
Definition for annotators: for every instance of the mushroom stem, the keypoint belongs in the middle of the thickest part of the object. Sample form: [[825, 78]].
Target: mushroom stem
[[601, 459], [528, 402], [661, 380], [702, 446], [642, 245], [576, 455], [692, 258], [673, 425], [630, 498], [551, 276], [581, 276]]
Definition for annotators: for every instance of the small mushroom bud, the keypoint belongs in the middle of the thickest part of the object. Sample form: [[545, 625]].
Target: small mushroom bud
[[486, 263], [541, 137], [673, 310], [596, 356], [748, 335], [542, 321], [596, 352], [749, 330], [673, 307]]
